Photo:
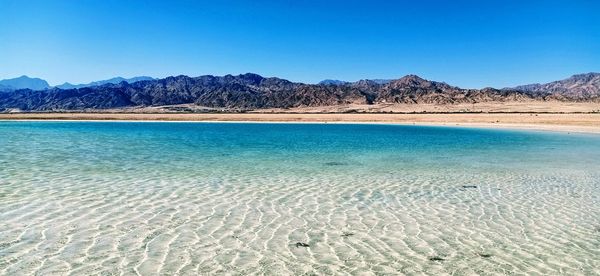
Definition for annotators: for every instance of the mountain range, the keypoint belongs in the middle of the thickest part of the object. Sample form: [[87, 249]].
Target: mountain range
[[252, 91], [580, 86], [25, 82]]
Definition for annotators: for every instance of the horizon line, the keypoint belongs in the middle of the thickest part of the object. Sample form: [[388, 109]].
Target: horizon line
[[289, 79]]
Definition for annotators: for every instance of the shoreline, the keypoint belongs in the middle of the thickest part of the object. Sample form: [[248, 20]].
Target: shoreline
[[522, 127], [556, 122]]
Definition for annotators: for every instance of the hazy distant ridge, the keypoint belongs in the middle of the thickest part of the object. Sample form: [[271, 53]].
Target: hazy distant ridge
[[24, 82], [116, 80], [339, 82]]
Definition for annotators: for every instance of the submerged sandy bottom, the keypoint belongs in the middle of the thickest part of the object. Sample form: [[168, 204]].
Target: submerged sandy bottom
[[361, 214]]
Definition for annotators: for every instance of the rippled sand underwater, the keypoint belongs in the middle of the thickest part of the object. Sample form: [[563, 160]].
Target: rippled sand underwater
[[118, 198]]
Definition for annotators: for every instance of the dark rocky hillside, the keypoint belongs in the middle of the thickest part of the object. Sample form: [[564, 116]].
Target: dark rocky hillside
[[251, 91], [581, 87]]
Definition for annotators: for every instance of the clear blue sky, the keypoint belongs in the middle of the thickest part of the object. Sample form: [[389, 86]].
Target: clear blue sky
[[466, 43]]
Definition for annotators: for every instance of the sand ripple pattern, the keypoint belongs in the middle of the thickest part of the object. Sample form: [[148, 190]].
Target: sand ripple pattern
[[356, 218]]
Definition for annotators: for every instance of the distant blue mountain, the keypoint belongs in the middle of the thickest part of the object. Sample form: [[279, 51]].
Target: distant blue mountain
[[23, 82], [381, 81], [332, 82], [340, 82], [116, 80]]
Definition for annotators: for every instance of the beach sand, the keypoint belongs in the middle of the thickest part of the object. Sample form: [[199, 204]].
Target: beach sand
[[570, 122]]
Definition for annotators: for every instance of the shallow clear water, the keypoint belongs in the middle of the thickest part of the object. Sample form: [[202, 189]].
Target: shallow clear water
[[205, 198]]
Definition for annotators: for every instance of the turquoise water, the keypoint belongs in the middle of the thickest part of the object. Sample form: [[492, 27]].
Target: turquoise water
[[209, 198]]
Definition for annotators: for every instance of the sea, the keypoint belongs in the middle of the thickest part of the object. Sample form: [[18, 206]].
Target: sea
[[189, 198]]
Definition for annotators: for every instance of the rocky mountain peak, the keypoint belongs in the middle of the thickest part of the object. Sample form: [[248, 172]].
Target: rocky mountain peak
[[251, 78], [413, 81], [579, 86], [586, 77]]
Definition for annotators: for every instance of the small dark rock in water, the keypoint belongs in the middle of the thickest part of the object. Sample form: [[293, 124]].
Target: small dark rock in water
[[469, 187], [437, 259], [346, 234], [335, 164], [485, 255], [301, 244]]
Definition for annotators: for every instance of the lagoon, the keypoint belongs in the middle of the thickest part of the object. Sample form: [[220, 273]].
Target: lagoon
[[240, 198]]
